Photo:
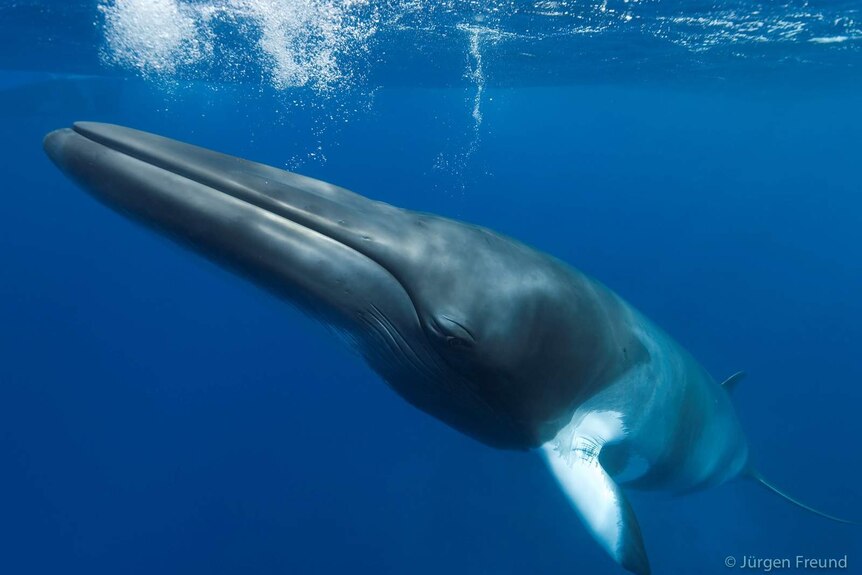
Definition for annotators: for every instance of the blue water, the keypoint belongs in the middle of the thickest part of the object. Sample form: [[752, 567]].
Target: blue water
[[160, 415]]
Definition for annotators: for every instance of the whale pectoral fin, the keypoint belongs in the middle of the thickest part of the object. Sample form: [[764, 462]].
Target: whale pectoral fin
[[573, 457]]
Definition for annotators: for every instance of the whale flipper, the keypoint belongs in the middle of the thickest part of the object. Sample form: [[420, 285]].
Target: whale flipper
[[573, 457]]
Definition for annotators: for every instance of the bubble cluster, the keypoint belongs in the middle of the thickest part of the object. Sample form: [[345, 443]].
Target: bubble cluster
[[155, 37], [288, 43], [328, 45]]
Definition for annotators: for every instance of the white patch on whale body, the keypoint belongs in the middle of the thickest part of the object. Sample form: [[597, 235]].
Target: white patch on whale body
[[573, 456]]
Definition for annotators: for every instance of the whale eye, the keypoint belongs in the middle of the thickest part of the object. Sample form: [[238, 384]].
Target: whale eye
[[452, 333], [456, 342]]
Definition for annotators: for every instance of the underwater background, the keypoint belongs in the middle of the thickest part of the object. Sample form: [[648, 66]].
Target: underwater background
[[160, 415]]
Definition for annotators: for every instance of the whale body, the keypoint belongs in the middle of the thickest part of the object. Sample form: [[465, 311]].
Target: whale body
[[502, 342]]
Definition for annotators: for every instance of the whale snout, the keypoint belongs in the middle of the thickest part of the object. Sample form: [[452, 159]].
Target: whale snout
[[282, 230]]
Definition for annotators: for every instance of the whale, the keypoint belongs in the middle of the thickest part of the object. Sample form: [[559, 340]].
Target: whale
[[502, 342]]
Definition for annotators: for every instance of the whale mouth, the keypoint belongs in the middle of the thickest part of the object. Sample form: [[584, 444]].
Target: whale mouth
[[309, 241]]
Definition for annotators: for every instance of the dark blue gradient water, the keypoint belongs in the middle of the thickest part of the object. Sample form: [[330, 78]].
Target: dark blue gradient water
[[160, 415]]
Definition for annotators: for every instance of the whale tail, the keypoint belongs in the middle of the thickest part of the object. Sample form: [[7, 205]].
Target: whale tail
[[758, 478]]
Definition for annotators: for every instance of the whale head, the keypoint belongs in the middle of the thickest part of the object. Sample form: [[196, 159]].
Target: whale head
[[495, 338]]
